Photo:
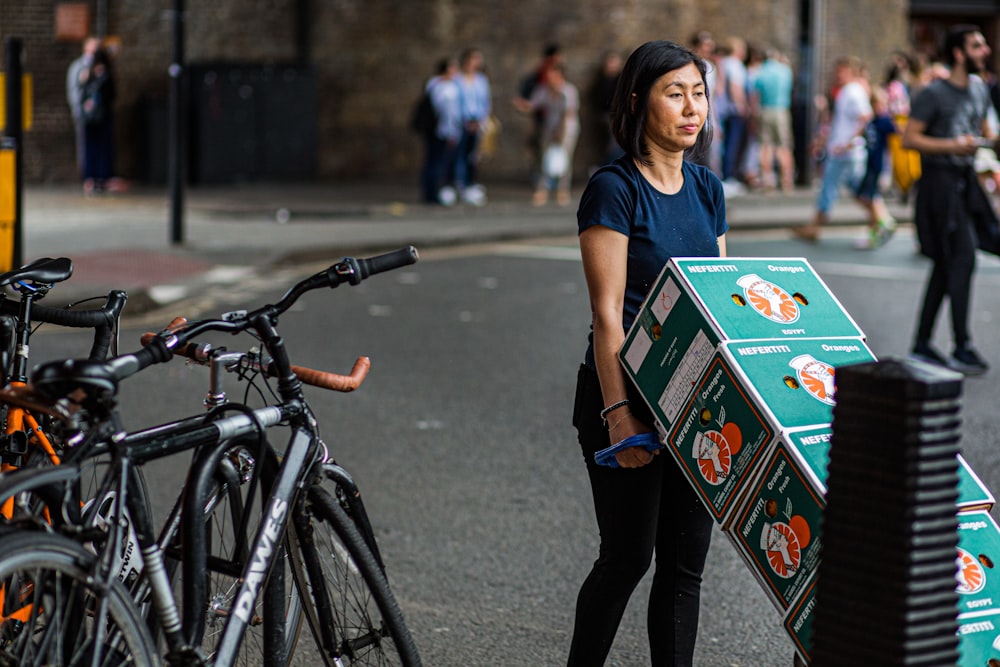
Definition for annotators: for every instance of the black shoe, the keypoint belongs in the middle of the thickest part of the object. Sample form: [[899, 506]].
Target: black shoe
[[966, 360], [927, 354]]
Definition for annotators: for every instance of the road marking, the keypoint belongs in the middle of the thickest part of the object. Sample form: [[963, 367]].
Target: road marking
[[875, 271], [558, 252]]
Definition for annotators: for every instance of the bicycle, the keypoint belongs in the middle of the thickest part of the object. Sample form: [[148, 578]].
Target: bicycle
[[25, 440], [33, 281], [76, 592]]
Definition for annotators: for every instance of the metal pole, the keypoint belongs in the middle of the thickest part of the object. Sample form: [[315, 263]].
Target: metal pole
[[176, 149], [303, 24], [819, 66], [102, 19], [15, 133]]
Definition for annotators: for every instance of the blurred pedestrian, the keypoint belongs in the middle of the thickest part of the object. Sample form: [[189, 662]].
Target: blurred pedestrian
[[881, 224], [552, 56], [845, 144], [559, 102], [947, 124], [442, 142], [899, 77], [651, 204], [703, 45], [97, 101], [601, 94], [749, 166], [733, 110], [773, 93], [900, 84], [75, 74], [477, 104]]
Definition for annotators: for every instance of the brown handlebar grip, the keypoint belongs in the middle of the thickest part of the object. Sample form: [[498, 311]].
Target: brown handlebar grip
[[174, 325], [335, 381], [191, 350]]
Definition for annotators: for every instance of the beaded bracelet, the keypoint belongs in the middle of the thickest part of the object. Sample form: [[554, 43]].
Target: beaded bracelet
[[613, 406]]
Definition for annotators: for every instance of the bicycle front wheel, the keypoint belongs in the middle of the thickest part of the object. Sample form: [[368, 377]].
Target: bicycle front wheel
[[349, 606], [53, 613]]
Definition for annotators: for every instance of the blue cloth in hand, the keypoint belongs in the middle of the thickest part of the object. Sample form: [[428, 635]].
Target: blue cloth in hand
[[606, 457]]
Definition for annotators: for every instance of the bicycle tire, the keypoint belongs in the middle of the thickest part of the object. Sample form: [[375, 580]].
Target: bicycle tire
[[223, 515], [367, 625], [57, 596]]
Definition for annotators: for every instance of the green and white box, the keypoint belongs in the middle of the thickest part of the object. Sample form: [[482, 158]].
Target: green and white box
[[696, 304], [777, 530], [811, 448], [979, 640], [798, 620], [978, 560], [973, 494], [751, 394]]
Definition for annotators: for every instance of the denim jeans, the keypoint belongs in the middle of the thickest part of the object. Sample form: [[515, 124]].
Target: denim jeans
[[841, 170]]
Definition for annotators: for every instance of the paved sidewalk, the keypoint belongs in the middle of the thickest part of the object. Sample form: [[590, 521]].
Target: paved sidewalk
[[123, 240]]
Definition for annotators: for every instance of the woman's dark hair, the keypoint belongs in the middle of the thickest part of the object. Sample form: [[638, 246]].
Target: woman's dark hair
[[642, 69]]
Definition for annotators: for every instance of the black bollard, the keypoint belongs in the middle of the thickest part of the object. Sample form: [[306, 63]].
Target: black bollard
[[886, 588]]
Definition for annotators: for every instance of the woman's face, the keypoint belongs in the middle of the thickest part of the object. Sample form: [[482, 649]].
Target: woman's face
[[678, 107]]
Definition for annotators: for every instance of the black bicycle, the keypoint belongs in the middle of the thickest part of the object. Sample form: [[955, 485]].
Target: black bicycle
[[308, 552]]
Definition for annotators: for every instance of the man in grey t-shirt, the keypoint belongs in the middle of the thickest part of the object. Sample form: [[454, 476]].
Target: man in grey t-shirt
[[947, 123]]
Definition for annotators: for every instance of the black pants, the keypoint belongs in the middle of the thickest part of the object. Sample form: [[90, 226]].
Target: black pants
[[954, 256], [640, 511]]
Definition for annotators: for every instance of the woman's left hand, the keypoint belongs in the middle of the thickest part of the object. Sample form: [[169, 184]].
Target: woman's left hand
[[635, 457], [632, 457]]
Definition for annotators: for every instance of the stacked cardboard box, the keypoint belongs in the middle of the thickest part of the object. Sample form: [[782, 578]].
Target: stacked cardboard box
[[978, 589], [736, 358]]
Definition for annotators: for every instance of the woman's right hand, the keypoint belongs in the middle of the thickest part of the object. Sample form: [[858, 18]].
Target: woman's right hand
[[632, 457]]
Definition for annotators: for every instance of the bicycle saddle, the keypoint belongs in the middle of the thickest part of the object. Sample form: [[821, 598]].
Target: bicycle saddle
[[82, 381], [43, 270]]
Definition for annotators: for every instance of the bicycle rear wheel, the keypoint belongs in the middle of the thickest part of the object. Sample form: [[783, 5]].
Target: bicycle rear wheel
[[49, 614], [351, 611]]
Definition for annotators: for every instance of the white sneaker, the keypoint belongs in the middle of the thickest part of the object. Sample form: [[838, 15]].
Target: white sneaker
[[733, 188], [447, 196], [474, 195]]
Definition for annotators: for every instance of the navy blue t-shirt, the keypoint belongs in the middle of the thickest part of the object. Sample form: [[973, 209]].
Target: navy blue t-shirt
[[658, 226]]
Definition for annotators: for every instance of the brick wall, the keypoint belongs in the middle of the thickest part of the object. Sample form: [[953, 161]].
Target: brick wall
[[372, 56]]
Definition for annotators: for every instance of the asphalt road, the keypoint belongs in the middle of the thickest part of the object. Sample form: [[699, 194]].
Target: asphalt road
[[461, 441]]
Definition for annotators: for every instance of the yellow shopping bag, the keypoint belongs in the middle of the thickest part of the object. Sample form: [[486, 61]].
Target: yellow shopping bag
[[905, 162]]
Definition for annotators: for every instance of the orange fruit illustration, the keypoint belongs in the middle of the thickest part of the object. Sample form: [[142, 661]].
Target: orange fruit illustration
[[971, 576], [782, 542], [714, 458], [800, 527], [772, 302], [817, 378], [732, 434]]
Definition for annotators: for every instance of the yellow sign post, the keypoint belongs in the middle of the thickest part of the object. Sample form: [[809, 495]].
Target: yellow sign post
[[27, 95], [8, 201]]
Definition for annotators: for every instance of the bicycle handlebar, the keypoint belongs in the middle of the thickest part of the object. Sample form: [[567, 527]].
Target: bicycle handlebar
[[102, 320], [202, 353], [327, 380], [176, 336], [106, 315]]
